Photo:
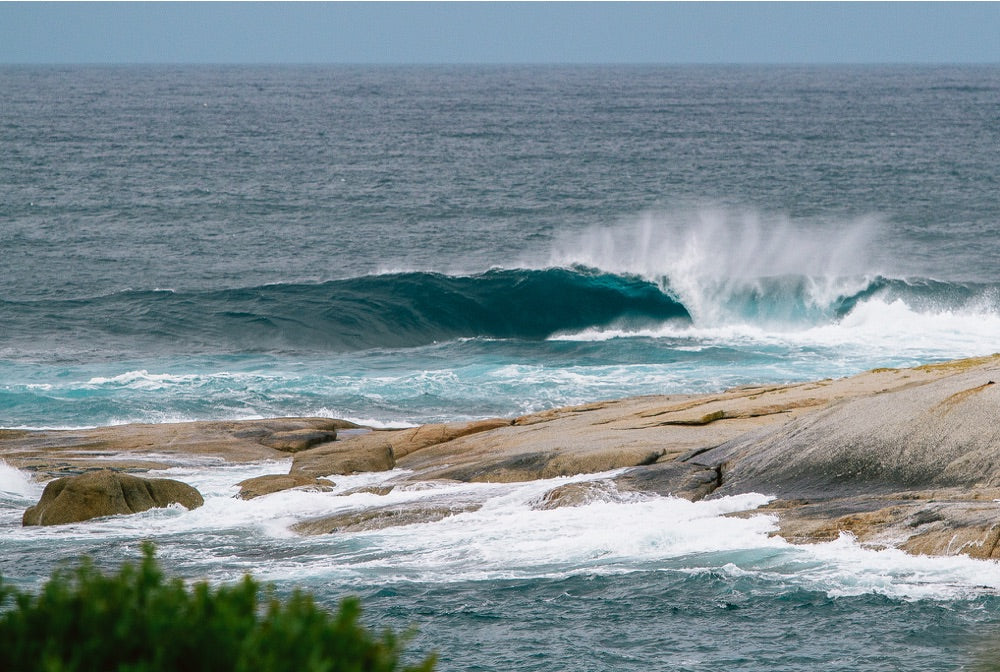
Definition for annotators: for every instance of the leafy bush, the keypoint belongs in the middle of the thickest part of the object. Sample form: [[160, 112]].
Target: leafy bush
[[138, 621]]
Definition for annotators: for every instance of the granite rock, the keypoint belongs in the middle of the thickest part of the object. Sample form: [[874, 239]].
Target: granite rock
[[106, 493]]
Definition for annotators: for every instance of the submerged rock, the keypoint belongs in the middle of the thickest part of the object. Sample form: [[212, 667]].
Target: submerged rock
[[381, 517], [106, 493], [666, 479], [271, 483], [577, 494]]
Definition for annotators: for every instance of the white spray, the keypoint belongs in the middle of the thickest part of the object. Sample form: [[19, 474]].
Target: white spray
[[714, 259], [17, 484]]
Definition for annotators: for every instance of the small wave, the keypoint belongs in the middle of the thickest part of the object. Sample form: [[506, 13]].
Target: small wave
[[141, 379]]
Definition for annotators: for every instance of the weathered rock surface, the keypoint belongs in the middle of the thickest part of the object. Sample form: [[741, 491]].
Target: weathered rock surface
[[631, 432], [915, 467], [271, 483], [378, 490], [939, 434], [106, 493]]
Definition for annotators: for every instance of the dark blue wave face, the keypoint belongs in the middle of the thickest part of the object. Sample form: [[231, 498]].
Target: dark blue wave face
[[383, 311], [406, 310]]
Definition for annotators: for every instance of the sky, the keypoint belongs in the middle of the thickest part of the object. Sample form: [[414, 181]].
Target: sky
[[485, 32]]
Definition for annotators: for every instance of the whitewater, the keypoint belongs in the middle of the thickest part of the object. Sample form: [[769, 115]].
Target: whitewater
[[398, 246]]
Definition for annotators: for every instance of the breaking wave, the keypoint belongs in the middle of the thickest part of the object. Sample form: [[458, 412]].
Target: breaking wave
[[415, 309]]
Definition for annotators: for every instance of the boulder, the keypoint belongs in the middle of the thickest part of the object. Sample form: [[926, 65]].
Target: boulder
[[271, 483], [106, 493]]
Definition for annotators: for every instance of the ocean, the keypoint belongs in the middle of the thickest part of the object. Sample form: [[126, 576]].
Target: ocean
[[403, 245]]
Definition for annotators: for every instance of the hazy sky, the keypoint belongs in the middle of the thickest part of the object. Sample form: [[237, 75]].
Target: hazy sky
[[686, 32]]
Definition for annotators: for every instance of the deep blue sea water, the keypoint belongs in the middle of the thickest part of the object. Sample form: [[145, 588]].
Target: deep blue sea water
[[399, 245]]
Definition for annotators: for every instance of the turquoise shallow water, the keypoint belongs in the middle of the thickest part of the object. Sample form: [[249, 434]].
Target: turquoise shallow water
[[403, 245]]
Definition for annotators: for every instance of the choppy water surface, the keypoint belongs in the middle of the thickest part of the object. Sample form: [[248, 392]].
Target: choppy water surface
[[403, 245]]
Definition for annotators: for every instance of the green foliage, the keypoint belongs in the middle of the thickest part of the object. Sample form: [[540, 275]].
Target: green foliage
[[139, 621]]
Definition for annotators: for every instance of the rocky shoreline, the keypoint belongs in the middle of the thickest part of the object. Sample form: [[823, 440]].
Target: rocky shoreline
[[906, 458]]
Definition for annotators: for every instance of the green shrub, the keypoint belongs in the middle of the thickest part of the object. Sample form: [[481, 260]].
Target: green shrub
[[138, 621]]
